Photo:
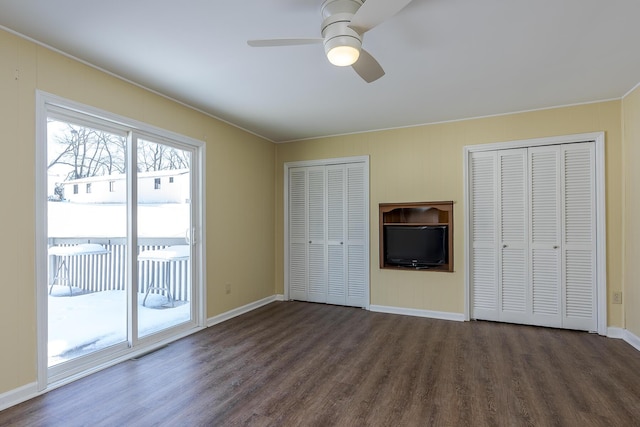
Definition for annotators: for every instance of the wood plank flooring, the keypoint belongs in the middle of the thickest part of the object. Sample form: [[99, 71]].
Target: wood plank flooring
[[300, 364]]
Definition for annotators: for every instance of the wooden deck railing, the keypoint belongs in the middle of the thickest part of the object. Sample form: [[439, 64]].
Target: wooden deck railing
[[105, 272]]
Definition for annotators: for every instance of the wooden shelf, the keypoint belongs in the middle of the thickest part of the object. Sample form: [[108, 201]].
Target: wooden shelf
[[418, 214]]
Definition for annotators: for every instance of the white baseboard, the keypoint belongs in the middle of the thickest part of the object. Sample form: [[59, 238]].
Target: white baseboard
[[614, 332], [18, 395], [242, 310], [632, 339], [443, 315], [624, 334]]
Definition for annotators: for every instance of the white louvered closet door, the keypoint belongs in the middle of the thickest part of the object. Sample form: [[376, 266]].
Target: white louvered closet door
[[513, 201], [328, 253], [336, 194], [545, 240], [533, 235], [484, 235], [298, 242], [579, 236], [356, 233], [317, 234]]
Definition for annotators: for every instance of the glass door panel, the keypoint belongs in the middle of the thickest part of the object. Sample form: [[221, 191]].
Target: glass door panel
[[87, 226], [164, 296]]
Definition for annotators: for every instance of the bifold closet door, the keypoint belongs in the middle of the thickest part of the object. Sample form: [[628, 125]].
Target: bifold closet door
[[532, 232], [484, 235], [317, 233], [513, 201], [327, 240], [545, 217], [578, 244], [499, 236], [346, 210], [563, 243], [298, 241], [307, 234], [356, 251], [336, 274]]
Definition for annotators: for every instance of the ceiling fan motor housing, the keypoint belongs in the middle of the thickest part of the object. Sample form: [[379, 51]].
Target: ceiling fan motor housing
[[331, 7], [335, 26]]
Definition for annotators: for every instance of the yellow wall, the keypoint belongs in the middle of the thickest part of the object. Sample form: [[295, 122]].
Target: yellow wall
[[245, 209], [239, 190], [426, 163], [631, 296]]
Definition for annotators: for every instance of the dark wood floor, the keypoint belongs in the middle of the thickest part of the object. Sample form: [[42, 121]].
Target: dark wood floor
[[292, 363]]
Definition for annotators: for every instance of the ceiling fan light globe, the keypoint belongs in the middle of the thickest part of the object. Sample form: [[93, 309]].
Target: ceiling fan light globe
[[342, 50], [343, 56]]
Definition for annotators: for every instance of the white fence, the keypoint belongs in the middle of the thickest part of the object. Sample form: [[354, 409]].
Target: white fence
[[104, 272]]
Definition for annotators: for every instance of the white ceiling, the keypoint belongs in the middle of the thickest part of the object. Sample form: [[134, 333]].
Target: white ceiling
[[444, 59]]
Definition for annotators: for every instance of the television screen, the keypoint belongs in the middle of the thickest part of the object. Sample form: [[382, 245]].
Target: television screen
[[415, 246]]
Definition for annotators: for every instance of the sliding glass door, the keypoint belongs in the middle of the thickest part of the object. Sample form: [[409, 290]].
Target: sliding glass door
[[121, 207], [87, 224], [164, 235]]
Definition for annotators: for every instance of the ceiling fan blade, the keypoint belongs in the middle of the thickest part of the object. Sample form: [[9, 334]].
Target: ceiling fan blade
[[283, 42], [373, 12], [367, 67]]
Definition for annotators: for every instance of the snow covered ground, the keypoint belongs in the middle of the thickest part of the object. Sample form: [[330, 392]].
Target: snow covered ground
[[83, 323], [110, 220]]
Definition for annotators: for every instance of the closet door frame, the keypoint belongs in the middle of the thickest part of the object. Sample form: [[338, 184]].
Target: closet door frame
[[364, 160], [600, 210]]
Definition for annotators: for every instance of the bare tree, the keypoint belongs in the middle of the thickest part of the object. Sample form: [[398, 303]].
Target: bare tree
[[89, 152], [155, 157]]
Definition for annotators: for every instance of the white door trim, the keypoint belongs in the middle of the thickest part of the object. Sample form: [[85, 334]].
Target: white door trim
[[326, 162], [601, 263]]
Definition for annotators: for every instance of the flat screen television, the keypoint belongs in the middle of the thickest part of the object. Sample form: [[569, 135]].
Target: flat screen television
[[414, 246]]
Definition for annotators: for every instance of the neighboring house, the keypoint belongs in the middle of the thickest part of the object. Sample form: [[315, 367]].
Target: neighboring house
[[166, 186]]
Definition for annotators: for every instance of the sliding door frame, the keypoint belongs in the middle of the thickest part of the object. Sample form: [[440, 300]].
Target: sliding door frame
[[45, 103]]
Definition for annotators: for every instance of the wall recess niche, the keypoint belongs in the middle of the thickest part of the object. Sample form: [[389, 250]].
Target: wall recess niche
[[416, 236]]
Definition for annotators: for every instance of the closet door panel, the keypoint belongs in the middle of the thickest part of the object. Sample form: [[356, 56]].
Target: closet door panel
[[336, 289], [317, 274], [335, 204], [579, 290], [578, 184], [544, 187], [317, 261], [356, 233], [336, 284], [545, 288], [298, 271], [357, 281], [514, 290], [483, 233], [298, 243], [513, 232]]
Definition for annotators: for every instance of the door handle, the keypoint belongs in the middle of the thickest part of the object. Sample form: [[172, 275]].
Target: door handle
[[504, 246]]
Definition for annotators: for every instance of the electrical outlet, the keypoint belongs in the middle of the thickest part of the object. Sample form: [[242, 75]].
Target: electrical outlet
[[227, 288], [617, 297]]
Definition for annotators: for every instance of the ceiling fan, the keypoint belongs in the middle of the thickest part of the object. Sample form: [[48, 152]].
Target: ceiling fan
[[343, 27]]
